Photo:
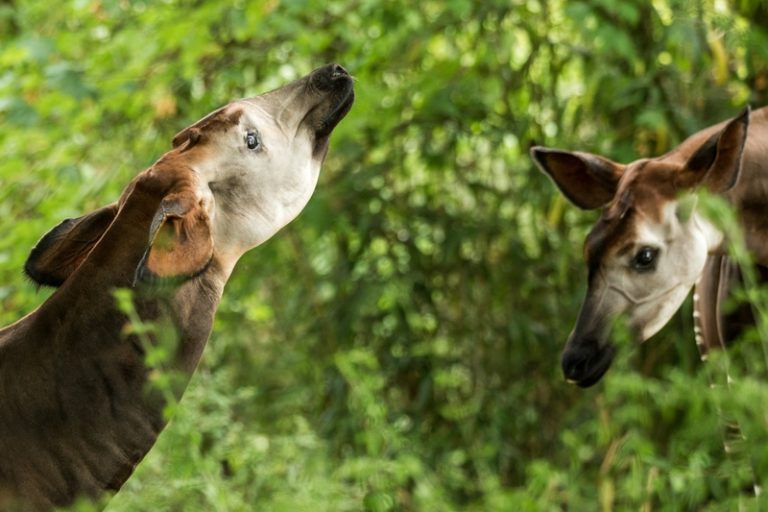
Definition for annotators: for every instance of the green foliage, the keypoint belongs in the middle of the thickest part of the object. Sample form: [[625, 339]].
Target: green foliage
[[397, 346]]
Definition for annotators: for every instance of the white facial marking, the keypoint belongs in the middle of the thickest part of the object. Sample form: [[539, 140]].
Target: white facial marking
[[649, 298], [256, 192]]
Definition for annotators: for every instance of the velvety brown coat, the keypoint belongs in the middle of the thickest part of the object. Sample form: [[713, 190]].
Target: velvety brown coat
[[78, 409], [77, 415]]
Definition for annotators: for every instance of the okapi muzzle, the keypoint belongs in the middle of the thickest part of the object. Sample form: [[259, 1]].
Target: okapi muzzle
[[587, 354], [585, 360]]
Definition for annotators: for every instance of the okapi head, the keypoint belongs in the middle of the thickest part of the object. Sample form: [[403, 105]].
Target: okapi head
[[649, 246], [233, 180]]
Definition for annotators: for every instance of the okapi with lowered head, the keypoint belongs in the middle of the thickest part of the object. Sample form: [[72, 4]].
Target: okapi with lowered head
[[649, 248], [76, 413]]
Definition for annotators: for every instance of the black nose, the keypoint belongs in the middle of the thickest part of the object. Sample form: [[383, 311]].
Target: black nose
[[584, 362], [575, 363], [337, 71], [329, 77]]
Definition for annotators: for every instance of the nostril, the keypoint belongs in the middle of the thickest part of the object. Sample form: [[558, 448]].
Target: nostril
[[572, 368], [575, 364], [338, 71], [586, 360]]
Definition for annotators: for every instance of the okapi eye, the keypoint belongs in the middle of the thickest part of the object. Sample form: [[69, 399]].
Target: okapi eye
[[252, 139], [645, 259]]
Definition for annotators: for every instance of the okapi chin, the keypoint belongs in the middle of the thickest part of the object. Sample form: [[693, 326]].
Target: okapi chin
[[650, 246], [76, 411]]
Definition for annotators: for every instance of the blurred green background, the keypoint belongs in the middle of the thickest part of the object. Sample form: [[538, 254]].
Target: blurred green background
[[396, 348]]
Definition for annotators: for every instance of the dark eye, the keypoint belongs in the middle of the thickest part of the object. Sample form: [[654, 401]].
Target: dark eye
[[645, 259], [252, 139]]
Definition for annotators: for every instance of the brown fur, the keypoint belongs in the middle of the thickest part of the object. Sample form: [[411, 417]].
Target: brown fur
[[81, 420], [643, 189], [218, 120], [77, 408]]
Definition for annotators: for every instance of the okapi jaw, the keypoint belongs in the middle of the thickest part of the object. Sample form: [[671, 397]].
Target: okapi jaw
[[649, 246]]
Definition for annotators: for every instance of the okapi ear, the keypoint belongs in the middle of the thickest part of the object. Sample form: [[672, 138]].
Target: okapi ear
[[588, 181], [60, 251], [180, 239], [717, 162]]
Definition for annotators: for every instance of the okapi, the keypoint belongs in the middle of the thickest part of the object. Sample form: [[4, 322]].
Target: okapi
[[76, 411], [649, 248]]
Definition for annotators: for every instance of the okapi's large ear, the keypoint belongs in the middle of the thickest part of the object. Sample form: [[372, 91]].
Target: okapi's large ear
[[717, 162], [588, 180], [180, 239], [60, 251]]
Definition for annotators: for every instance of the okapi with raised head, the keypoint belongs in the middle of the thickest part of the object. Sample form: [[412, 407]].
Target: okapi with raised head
[[649, 247], [76, 413]]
